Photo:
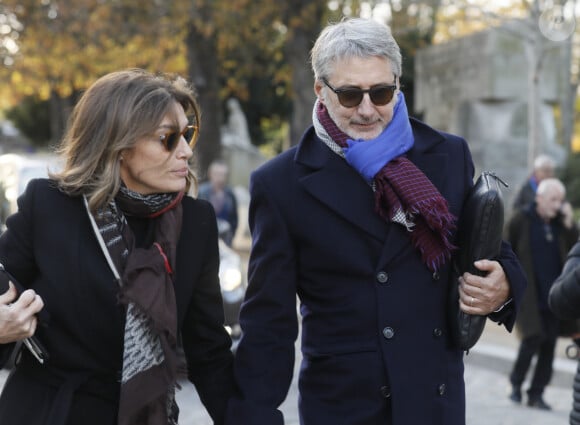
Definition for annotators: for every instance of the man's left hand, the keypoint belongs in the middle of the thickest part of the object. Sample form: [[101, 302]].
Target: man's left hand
[[482, 295]]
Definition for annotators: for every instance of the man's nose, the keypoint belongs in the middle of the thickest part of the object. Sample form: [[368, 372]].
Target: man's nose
[[366, 106]]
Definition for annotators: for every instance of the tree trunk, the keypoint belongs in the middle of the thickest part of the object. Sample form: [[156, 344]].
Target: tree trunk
[[59, 111], [203, 72], [300, 40], [534, 49], [568, 111], [534, 102], [568, 98], [302, 86]]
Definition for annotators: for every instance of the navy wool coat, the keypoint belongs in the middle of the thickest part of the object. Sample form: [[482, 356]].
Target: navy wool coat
[[49, 246], [375, 341]]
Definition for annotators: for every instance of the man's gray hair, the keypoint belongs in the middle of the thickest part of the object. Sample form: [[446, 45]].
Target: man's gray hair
[[356, 37]]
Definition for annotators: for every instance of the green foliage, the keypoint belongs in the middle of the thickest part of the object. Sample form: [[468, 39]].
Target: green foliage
[[63, 49], [264, 103], [570, 176], [31, 117], [276, 133]]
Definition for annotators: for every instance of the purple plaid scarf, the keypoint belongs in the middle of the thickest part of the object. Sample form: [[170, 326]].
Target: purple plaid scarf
[[401, 187]]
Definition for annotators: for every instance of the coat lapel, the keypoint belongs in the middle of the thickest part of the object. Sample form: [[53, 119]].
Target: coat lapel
[[432, 164], [355, 200], [328, 171]]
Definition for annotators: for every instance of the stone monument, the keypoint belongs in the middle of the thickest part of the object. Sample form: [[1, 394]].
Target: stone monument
[[242, 158], [237, 148], [477, 87]]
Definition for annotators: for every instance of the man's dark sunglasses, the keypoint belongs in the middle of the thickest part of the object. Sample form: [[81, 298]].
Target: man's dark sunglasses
[[171, 138], [350, 97]]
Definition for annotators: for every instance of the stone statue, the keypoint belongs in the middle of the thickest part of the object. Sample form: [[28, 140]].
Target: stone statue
[[235, 131]]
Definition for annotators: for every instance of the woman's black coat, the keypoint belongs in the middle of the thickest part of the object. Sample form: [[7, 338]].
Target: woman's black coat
[[49, 246]]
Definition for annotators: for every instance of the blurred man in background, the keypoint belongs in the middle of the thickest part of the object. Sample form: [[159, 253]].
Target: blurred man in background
[[544, 167], [221, 196], [541, 235]]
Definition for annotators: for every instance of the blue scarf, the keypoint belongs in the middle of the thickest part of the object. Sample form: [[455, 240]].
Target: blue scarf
[[369, 156], [403, 194]]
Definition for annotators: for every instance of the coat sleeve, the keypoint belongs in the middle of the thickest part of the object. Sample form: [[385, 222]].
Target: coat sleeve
[[517, 281], [265, 356], [514, 271], [564, 297], [16, 250], [16, 243]]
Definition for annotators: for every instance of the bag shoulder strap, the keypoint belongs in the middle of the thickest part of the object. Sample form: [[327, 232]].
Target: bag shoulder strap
[[101, 241]]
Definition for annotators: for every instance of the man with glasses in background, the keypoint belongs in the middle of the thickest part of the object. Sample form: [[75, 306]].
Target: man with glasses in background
[[359, 220]]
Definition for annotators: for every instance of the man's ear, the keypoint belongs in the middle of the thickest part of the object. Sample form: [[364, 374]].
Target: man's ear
[[318, 86]]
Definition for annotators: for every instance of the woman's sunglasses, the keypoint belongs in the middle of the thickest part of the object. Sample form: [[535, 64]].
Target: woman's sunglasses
[[172, 138], [351, 97]]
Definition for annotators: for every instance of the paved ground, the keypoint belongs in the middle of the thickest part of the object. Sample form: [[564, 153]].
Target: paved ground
[[486, 369], [487, 366]]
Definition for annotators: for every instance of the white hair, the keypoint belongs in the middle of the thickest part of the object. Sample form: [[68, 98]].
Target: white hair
[[544, 161], [549, 185]]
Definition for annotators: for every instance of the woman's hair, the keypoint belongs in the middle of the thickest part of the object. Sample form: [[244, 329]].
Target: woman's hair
[[119, 109], [356, 37]]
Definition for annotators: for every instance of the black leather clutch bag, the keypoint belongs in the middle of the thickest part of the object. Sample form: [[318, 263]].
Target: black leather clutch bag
[[479, 237]]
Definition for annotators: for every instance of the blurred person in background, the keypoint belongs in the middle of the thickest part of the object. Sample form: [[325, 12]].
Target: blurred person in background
[[543, 168], [125, 262], [541, 235], [221, 196]]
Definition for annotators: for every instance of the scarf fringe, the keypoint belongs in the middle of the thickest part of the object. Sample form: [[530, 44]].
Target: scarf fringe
[[436, 213], [433, 224], [434, 259]]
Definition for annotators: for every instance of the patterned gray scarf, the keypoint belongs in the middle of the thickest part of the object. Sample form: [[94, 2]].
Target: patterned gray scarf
[[152, 359]]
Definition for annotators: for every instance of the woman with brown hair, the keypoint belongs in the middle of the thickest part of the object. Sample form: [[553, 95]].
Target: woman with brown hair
[[126, 263]]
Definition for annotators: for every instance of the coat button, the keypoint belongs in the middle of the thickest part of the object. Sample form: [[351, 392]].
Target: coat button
[[441, 389], [388, 332], [382, 277], [385, 392], [437, 332]]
